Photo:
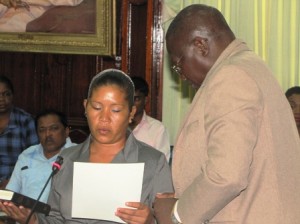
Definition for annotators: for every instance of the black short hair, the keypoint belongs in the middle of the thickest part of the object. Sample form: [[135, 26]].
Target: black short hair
[[204, 18], [62, 117], [292, 90], [4, 79], [140, 84]]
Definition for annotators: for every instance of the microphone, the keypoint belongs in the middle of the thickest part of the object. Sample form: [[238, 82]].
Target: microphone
[[55, 168], [57, 165]]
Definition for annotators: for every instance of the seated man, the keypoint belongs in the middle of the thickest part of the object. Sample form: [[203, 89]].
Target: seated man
[[34, 165], [17, 130], [144, 127]]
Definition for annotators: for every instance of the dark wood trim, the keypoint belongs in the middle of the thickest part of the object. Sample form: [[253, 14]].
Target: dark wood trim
[[126, 32], [156, 49]]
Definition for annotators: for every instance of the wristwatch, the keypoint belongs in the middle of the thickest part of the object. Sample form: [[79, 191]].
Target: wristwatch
[[174, 220]]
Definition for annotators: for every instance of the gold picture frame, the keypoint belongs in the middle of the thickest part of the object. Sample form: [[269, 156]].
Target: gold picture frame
[[102, 42]]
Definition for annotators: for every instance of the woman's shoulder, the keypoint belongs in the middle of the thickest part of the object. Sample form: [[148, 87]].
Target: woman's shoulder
[[72, 152], [147, 152]]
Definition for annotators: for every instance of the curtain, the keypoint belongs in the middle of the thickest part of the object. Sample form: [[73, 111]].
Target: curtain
[[269, 27]]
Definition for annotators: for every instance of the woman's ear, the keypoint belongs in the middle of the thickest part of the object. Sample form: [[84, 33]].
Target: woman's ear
[[84, 103], [201, 45]]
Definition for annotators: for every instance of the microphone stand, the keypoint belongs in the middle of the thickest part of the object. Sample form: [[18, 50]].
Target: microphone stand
[[55, 168]]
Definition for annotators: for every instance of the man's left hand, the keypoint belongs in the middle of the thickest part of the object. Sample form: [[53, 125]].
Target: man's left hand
[[163, 206]]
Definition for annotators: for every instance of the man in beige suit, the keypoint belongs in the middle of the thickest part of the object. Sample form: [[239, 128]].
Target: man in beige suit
[[237, 154]]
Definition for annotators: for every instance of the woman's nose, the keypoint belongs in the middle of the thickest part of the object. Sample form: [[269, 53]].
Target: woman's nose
[[104, 115]]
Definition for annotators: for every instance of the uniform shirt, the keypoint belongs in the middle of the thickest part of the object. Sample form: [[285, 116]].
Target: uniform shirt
[[31, 172], [18, 135], [154, 133], [157, 178]]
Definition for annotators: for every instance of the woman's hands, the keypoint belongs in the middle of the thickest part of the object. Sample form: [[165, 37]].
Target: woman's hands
[[139, 213], [19, 214]]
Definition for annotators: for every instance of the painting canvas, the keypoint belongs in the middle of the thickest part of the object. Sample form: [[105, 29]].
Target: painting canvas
[[72, 27]]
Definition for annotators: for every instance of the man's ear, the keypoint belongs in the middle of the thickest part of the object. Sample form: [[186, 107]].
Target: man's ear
[[67, 131], [201, 44]]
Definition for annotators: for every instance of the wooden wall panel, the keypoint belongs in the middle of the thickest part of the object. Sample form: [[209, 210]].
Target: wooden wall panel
[[59, 81], [50, 81], [137, 59]]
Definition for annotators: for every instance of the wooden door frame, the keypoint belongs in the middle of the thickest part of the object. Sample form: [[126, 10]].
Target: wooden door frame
[[154, 51]]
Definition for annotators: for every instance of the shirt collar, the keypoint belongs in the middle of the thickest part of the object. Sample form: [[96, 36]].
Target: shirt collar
[[128, 154]]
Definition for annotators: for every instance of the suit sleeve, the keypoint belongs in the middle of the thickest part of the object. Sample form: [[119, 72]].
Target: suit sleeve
[[232, 116], [162, 141]]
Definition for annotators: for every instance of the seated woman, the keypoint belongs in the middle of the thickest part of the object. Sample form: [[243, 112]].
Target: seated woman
[[109, 109]]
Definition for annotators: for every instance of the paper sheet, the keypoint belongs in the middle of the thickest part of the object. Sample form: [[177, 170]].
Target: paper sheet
[[100, 188]]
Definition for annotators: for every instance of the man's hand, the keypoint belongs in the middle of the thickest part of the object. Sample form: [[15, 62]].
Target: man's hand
[[163, 206]]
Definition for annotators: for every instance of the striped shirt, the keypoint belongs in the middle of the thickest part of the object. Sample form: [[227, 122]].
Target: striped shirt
[[17, 136]]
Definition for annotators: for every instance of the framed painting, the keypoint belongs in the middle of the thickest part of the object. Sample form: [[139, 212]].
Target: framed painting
[[84, 27]]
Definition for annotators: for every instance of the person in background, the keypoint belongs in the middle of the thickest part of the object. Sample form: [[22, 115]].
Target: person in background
[[109, 109], [34, 164], [144, 127], [236, 157], [17, 131], [293, 96]]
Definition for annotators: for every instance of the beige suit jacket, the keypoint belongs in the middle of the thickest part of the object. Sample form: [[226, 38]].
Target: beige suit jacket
[[237, 154]]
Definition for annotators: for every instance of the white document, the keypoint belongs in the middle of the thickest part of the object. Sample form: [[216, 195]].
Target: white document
[[100, 188]]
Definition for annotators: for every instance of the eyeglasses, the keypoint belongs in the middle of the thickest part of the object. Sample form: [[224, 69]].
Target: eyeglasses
[[176, 67]]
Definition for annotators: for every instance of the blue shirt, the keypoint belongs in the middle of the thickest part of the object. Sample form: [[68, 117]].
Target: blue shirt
[[31, 172], [17, 136]]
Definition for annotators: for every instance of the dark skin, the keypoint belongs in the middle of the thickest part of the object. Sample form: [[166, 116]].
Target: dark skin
[[6, 104], [194, 42], [198, 56], [140, 104], [163, 206]]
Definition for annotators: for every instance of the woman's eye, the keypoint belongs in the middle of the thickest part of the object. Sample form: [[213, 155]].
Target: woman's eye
[[97, 108], [95, 105], [116, 110]]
